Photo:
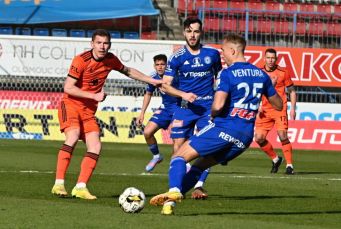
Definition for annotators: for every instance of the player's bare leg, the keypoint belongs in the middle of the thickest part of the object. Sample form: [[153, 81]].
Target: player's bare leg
[[149, 131]]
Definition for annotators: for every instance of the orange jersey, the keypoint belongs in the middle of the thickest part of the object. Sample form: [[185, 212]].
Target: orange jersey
[[283, 81], [91, 75]]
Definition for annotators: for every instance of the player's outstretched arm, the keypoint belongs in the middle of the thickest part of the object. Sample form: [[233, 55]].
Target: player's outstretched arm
[[70, 88], [170, 90], [276, 102], [137, 75]]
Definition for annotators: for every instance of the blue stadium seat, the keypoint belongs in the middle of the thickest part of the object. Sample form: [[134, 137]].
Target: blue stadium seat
[[131, 35], [115, 34], [23, 31], [59, 32], [77, 33], [89, 33], [41, 31], [6, 30]]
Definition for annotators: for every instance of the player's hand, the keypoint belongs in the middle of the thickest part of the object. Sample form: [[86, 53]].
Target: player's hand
[[190, 97], [156, 83], [260, 112], [292, 114], [139, 120], [100, 96]]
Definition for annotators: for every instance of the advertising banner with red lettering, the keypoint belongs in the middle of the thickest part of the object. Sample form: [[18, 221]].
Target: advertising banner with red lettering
[[308, 67]]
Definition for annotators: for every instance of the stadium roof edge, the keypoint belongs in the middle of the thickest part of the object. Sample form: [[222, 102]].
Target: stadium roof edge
[[53, 11]]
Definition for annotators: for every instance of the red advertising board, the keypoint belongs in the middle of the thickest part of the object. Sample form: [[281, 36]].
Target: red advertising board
[[316, 135], [308, 67], [29, 100]]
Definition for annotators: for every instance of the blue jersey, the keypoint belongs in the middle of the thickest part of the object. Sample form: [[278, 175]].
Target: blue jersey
[[245, 85], [195, 73], [168, 102]]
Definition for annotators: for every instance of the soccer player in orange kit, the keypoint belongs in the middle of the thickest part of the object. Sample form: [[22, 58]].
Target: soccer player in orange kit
[[268, 117], [83, 89]]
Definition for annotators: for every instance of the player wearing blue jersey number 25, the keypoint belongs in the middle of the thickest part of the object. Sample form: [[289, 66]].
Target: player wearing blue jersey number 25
[[195, 67], [233, 113]]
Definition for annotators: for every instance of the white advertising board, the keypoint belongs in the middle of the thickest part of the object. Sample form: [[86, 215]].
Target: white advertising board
[[52, 56]]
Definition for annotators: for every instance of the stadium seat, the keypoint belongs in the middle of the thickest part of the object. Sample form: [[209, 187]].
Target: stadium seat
[[149, 35], [337, 11], [115, 34], [242, 26], [306, 10], [333, 29], [229, 24], [324, 9], [289, 9], [272, 8], [41, 32], [301, 28], [59, 32], [264, 26], [77, 33], [6, 30], [89, 33], [282, 27], [237, 6], [256, 7], [202, 4], [23, 31], [182, 7], [316, 28], [211, 24], [131, 35], [220, 6]]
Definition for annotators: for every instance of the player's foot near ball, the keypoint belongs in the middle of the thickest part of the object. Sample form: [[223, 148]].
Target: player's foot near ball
[[59, 190], [82, 193], [151, 165], [199, 194], [160, 199]]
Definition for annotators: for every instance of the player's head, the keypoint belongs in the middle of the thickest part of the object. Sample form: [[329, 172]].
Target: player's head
[[160, 62], [270, 58], [192, 32], [100, 43], [233, 48]]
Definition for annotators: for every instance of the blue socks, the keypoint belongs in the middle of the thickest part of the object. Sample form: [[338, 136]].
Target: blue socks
[[177, 171], [191, 178], [154, 149]]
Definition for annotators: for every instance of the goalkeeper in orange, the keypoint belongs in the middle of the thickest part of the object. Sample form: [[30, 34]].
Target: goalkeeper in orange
[[268, 117], [83, 89]]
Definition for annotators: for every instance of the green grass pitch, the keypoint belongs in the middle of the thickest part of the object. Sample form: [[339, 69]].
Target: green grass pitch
[[241, 195]]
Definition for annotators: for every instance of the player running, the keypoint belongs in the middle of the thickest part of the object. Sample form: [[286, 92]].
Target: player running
[[268, 117], [83, 89], [233, 114], [195, 66], [162, 117]]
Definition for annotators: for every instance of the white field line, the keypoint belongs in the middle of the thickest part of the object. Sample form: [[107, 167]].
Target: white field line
[[296, 177]]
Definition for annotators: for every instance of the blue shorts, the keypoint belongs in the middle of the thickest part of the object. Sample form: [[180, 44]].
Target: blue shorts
[[162, 118], [185, 120], [223, 144]]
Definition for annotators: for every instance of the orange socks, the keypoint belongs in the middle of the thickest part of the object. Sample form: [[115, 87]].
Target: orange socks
[[287, 151], [63, 161], [268, 149], [87, 167]]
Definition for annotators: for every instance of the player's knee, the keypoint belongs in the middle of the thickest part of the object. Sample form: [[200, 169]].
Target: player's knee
[[260, 139]]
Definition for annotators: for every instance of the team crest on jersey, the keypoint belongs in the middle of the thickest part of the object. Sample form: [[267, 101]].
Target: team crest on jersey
[[207, 60], [196, 62], [177, 123]]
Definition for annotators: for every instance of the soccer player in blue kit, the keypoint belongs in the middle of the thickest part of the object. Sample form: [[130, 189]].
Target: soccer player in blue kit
[[162, 117], [195, 67], [234, 109]]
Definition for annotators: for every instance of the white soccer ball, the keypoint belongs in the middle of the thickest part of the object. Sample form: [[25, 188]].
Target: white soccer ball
[[132, 200]]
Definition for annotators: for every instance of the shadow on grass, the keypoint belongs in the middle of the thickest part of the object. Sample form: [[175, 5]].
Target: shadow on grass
[[215, 197], [311, 173]]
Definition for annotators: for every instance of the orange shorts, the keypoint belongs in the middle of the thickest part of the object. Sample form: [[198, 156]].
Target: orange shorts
[[81, 117], [268, 119]]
